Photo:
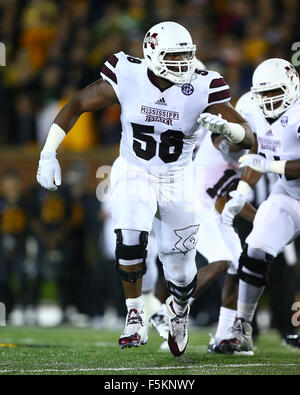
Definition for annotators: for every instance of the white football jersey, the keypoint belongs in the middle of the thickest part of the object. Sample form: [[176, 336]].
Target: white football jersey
[[220, 169], [159, 127], [278, 140]]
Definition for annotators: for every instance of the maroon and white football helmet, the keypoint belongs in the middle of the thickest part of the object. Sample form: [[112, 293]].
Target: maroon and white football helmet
[[166, 38], [273, 74]]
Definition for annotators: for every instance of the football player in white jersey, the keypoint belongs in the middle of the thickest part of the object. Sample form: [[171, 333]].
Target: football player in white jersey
[[217, 160], [218, 242], [274, 116], [162, 97]]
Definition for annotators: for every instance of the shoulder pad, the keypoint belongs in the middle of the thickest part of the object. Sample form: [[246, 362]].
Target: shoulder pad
[[117, 65], [110, 69], [213, 83], [218, 90]]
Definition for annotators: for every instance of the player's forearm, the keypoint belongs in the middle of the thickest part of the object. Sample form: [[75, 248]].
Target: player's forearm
[[248, 138], [69, 114], [235, 128], [240, 134], [291, 168], [63, 122], [94, 97], [246, 185], [248, 212], [251, 177]]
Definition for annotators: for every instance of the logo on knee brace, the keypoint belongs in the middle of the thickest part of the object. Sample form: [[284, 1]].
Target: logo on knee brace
[[187, 238]]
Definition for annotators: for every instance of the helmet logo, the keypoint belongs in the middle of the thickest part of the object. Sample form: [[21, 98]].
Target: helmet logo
[[291, 72], [152, 40]]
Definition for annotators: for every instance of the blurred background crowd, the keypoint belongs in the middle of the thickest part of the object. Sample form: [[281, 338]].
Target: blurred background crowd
[[54, 48], [57, 47]]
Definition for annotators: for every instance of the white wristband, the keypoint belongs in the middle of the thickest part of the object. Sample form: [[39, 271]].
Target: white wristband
[[243, 188], [277, 166], [54, 139], [237, 132]]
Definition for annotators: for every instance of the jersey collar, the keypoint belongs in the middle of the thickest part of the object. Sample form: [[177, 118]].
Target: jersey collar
[[152, 79]]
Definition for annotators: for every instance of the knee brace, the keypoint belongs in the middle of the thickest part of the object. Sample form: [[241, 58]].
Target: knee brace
[[181, 293], [255, 271], [129, 253]]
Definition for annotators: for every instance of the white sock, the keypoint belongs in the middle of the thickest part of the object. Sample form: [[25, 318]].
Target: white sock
[[247, 301], [151, 305], [179, 309], [226, 321], [135, 303], [246, 310], [162, 310]]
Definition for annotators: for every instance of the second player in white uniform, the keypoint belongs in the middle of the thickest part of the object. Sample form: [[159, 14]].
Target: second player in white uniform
[[220, 172], [274, 116], [217, 173]]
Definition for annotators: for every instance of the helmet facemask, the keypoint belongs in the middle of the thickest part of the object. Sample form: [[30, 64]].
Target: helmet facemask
[[272, 106], [177, 71]]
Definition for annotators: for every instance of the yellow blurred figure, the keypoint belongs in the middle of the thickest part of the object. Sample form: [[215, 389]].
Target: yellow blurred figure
[[83, 135]]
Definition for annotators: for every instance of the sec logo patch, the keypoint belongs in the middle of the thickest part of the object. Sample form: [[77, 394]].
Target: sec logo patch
[[284, 121], [187, 89]]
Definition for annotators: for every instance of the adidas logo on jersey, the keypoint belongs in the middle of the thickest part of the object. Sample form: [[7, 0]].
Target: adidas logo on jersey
[[161, 102], [269, 133]]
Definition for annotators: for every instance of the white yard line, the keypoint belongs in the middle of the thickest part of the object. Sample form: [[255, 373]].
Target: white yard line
[[192, 367]]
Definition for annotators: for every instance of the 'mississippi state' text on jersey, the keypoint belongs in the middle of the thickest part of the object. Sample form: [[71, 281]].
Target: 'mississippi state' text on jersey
[[159, 128], [278, 140]]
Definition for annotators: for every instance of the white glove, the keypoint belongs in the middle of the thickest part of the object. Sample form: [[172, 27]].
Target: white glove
[[256, 162], [214, 123], [49, 172], [233, 207]]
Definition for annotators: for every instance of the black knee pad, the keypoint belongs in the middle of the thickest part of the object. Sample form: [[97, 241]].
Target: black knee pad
[[181, 293], [260, 267], [126, 252]]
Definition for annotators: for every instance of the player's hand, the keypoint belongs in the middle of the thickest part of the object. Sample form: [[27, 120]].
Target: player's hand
[[256, 162], [233, 207], [49, 172], [214, 123]]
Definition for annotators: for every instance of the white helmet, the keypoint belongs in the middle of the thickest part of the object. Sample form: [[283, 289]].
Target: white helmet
[[165, 38], [199, 64], [275, 74], [243, 102]]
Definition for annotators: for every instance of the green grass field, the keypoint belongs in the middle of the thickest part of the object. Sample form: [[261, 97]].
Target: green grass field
[[72, 351]]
